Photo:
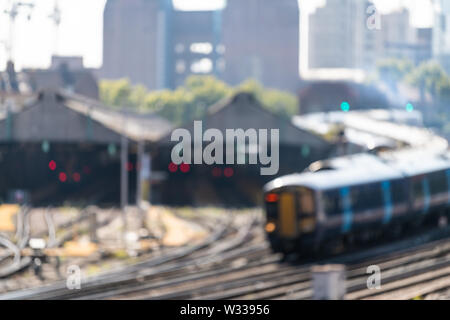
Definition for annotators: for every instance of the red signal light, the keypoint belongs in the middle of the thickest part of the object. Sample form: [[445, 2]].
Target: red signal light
[[216, 172], [228, 172], [76, 177], [86, 170], [62, 177], [173, 167], [271, 197], [52, 165], [129, 166], [185, 167]]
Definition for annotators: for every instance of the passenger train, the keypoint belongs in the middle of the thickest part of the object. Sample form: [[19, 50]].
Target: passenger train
[[356, 197]]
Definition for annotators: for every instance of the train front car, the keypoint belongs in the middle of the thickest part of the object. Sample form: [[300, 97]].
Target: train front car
[[291, 215], [345, 198], [356, 198]]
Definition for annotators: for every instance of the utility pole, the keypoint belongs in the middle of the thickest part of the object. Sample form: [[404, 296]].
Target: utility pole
[[139, 180], [13, 12], [139, 169], [124, 175]]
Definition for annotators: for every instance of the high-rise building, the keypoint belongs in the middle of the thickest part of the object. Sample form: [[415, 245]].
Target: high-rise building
[[339, 37], [152, 43], [194, 45], [261, 39], [130, 38], [397, 38], [441, 33]]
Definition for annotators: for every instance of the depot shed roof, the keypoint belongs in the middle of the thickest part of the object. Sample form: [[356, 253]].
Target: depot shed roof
[[58, 116]]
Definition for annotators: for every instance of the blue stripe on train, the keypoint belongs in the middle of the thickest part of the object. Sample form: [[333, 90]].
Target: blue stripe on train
[[448, 184], [347, 207], [426, 195], [386, 188]]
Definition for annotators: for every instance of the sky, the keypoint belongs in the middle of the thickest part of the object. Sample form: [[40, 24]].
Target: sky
[[81, 28]]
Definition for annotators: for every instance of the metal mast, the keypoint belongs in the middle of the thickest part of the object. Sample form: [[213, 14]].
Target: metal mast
[[13, 12], [55, 16]]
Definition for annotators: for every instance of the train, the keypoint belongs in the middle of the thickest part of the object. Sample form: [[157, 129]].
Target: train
[[355, 199]]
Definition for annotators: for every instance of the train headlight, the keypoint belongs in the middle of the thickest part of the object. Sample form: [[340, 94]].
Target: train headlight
[[270, 227]]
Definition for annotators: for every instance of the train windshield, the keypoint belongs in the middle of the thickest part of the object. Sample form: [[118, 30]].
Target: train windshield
[[306, 202], [306, 210]]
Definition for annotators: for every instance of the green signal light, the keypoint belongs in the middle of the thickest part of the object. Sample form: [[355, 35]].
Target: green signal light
[[45, 146], [409, 107], [112, 149], [345, 106], [306, 151]]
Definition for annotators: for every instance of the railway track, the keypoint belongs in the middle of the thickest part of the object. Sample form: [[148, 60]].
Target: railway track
[[225, 236], [235, 263], [66, 233], [270, 278]]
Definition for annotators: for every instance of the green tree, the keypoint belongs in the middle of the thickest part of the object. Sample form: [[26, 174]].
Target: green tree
[[115, 92], [279, 102], [138, 96], [172, 105], [428, 77], [393, 71], [192, 100]]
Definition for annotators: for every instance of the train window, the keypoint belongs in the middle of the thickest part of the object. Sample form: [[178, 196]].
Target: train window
[[417, 187], [332, 202], [438, 182], [398, 191], [306, 199], [366, 197]]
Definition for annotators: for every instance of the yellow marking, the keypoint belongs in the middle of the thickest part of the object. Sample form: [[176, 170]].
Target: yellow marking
[[180, 232], [7, 213], [287, 215], [79, 249], [148, 244]]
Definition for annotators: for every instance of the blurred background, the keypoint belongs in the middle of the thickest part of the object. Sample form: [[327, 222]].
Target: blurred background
[[161, 64], [91, 90]]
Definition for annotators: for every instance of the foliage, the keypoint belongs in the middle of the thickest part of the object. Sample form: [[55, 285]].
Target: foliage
[[281, 103], [429, 75], [115, 92], [394, 70], [192, 100]]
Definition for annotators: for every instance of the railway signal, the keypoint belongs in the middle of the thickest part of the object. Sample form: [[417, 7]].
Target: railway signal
[[52, 165], [62, 177], [409, 107], [345, 106], [45, 146], [76, 177]]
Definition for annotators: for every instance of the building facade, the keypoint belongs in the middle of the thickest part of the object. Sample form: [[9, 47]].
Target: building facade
[[152, 43], [441, 33], [397, 38], [352, 35], [261, 39], [339, 37]]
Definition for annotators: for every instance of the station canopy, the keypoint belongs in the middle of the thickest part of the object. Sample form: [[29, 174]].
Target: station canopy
[[59, 116]]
